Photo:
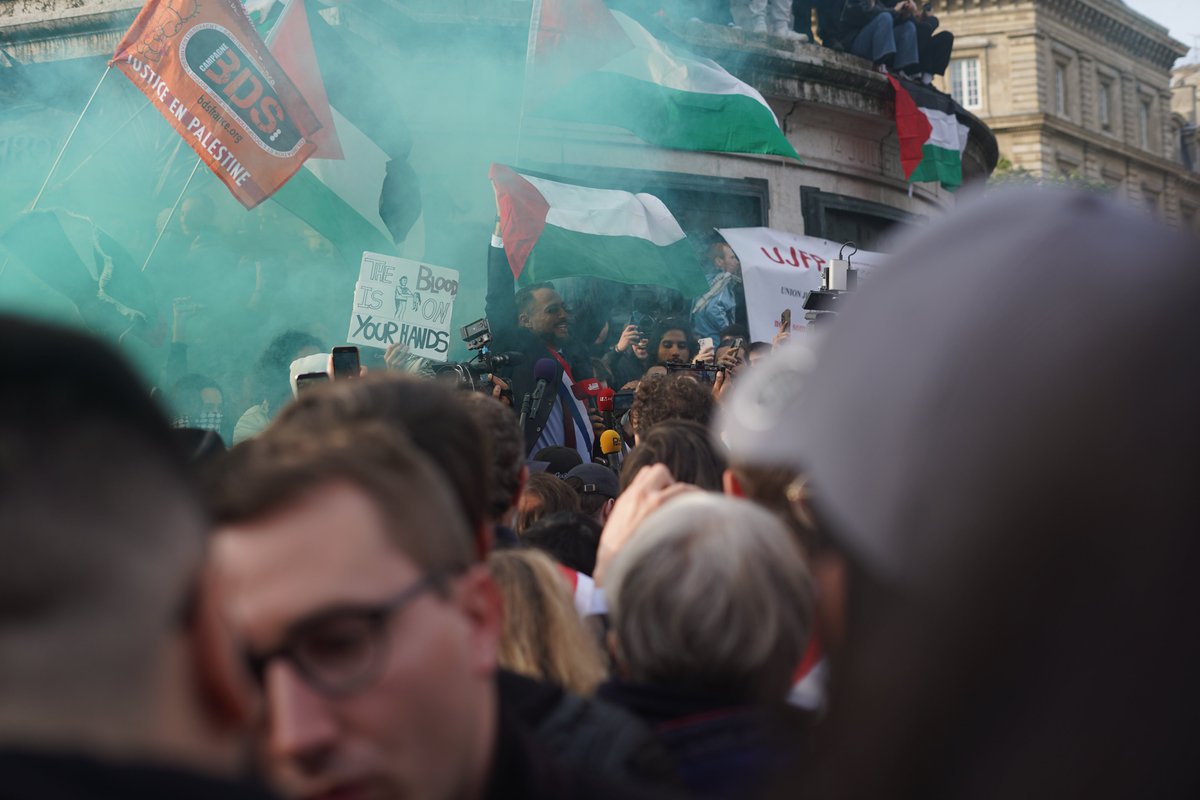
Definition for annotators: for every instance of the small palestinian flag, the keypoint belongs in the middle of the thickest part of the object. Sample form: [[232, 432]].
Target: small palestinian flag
[[932, 138]]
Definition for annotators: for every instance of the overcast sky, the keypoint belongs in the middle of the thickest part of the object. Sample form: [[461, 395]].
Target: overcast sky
[[1182, 18]]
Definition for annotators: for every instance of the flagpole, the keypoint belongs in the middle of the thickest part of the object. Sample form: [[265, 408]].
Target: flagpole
[[535, 23], [170, 216], [162, 178], [70, 136], [103, 144]]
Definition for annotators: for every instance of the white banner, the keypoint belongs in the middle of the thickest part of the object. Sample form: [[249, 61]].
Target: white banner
[[398, 301], [779, 268]]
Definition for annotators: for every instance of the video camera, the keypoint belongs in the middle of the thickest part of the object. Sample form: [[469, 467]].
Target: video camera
[[470, 375], [838, 279]]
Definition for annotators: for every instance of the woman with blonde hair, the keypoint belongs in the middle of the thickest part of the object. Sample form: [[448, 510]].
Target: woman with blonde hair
[[543, 635]]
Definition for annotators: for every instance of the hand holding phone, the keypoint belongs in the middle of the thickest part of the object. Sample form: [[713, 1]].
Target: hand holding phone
[[629, 337], [345, 363], [785, 321], [310, 379]]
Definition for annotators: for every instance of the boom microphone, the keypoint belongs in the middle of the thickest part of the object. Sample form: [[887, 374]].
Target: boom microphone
[[544, 371], [524, 411]]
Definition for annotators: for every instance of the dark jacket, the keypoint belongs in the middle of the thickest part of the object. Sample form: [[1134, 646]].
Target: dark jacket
[[625, 367], [845, 19], [720, 748], [930, 22], [590, 734], [501, 310], [29, 775]]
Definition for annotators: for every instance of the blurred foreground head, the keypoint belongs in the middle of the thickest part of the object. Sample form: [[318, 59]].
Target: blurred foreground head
[[105, 645], [712, 597], [1002, 427], [432, 418]]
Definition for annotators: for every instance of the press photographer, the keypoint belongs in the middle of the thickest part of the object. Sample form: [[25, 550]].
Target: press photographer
[[478, 374]]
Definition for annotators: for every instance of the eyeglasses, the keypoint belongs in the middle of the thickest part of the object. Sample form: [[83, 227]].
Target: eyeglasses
[[339, 651]]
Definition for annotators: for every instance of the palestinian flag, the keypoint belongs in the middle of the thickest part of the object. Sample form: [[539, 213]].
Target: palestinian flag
[[589, 64], [352, 190], [76, 259], [558, 230], [932, 138], [339, 194]]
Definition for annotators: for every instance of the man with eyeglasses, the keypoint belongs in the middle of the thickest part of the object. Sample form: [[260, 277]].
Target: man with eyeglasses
[[345, 567], [536, 322]]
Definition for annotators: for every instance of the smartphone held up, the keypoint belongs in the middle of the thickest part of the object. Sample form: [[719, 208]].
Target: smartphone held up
[[346, 363]]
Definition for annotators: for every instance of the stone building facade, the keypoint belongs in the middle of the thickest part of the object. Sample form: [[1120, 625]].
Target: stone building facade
[[1078, 88], [1185, 104]]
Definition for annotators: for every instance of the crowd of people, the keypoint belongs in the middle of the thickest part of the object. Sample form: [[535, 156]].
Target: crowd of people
[[227, 344], [942, 549]]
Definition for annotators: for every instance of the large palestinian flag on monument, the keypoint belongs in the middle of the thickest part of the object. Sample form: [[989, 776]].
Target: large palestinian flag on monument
[[557, 230], [587, 63], [932, 137]]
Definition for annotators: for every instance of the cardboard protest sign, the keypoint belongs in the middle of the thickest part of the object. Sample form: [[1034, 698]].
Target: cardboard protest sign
[[398, 301], [779, 268], [206, 70]]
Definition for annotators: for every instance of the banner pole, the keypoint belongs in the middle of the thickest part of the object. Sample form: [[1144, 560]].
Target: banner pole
[[162, 178], [70, 136], [102, 145], [170, 216], [535, 23]]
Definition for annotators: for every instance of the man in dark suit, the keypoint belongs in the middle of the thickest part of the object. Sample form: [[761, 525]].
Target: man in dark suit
[[534, 321]]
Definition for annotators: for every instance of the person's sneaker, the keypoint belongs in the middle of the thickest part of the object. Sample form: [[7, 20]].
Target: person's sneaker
[[787, 33], [881, 69]]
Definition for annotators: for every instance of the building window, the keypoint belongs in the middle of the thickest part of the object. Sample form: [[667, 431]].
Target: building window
[[1060, 88], [964, 82], [841, 218], [1151, 199], [1103, 104], [1144, 124]]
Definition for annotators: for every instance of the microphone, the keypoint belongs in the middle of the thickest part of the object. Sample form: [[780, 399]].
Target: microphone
[[544, 371], [604, 404], [610, 446], [584, 389], [524, 411]]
